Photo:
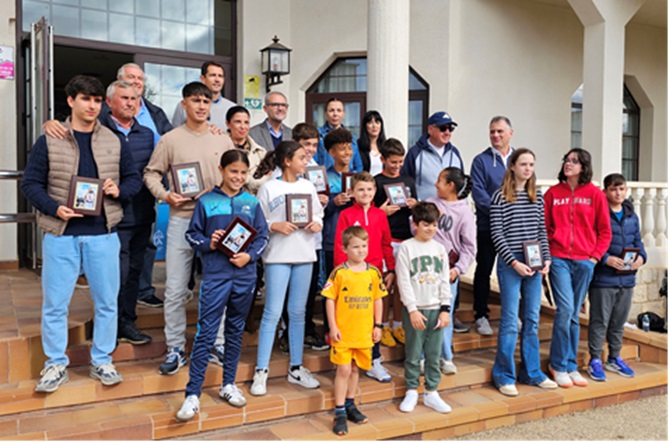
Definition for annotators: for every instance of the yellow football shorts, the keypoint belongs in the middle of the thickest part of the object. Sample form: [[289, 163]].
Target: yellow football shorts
[[344, 356]]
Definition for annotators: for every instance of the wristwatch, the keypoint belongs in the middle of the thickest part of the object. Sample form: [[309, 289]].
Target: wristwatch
[[379, 326]]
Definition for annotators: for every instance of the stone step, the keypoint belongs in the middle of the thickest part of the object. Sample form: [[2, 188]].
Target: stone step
[[141, 378], [306, 414], [79, 354]]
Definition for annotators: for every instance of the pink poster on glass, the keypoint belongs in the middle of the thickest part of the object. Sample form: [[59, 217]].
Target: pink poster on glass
[[6, 62]]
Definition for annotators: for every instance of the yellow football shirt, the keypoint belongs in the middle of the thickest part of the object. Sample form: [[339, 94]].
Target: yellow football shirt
[[354, 294]]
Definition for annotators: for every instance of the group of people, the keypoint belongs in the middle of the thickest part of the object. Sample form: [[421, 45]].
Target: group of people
[[367, 246]]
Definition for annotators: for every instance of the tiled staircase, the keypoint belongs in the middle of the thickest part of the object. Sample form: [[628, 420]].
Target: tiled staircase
[[144, 404]]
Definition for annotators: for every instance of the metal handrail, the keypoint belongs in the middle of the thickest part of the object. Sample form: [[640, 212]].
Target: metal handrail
[[20, 218], [11, 174]]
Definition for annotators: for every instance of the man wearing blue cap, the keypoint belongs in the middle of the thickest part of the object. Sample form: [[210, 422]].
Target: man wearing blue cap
[[432, 153]]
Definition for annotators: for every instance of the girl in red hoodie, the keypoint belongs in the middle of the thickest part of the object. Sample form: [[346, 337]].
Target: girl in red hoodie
[[579, 233]]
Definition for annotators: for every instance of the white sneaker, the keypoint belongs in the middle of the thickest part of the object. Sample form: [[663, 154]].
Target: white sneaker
[[303, 377], [52, 378], [233, 395], [409, 402], [447, 367], [483, 326], [547, 384], [508, 390], [561, 377], [378, 372], [190, 406], [259, 387], [577, 379], [435, 402]]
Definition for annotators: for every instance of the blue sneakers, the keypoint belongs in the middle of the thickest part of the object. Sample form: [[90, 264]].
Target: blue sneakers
[[619, 366], [175, 359], [596, 370]]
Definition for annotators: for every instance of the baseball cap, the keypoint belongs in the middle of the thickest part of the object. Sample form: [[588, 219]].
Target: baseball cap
[[439, 118]]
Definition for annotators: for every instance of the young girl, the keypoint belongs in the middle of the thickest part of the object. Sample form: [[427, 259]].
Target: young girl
[[227, 282], [517, 216], [457, 233], [579, 233], [288, 261]]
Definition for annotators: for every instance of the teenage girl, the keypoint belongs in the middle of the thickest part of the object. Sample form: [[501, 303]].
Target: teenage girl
[[288, 261], [227, 282], [517, 217], [579, 233], [457, 233]]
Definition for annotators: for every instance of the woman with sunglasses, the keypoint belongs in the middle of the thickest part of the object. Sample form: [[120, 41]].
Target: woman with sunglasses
[[579, 233], [372, 137], [431, 154]]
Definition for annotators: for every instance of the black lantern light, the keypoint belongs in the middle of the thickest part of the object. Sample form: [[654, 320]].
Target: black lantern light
[[275, 60]]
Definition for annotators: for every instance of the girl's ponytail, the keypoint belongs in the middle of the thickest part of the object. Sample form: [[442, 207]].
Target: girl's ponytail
[[266, 165], [463, 183]]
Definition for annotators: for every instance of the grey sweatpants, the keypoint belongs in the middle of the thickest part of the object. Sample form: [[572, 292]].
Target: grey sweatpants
[[609, 308]]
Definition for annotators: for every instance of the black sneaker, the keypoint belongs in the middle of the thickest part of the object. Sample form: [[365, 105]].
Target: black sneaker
[[174, 360], [283, 344], [459, 327], [354, 415], [151, 302], [340, 426], [130, 333], [315, 342]]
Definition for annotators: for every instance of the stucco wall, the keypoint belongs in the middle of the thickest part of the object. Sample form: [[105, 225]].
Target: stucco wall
[[8, 243], [481, 58]]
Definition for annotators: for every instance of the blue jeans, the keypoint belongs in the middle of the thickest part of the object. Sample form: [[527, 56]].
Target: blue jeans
[[524, 293], [570, 280], [278, 277], [447, 343], [62, 259]]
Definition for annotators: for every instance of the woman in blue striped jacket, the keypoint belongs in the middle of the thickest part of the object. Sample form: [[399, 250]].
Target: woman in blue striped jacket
[[516, 218]]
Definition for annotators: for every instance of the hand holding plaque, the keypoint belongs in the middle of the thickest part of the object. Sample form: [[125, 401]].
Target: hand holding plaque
[[532, 252], [238, 236], [298, 209], [85, 196]]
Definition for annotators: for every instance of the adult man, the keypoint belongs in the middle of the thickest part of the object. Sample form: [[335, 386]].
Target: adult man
[[73, 241], [334, 116], [487, 173], [134, 230], [212, 75], [272, 131], [431, 154], [153, 117], [189, 143], [238, 124]]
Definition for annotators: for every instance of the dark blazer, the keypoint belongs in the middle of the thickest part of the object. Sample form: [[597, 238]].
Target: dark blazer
[[260, 134]]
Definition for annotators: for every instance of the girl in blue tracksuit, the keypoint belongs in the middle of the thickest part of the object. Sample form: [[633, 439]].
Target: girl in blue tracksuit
[[227, 282]]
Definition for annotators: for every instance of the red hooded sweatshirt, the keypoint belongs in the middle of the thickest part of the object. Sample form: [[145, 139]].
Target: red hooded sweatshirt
[[577, 221], [376, 224]]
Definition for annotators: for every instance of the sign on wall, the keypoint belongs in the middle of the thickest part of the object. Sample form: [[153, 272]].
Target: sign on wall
[[7, 62], [252, 98]]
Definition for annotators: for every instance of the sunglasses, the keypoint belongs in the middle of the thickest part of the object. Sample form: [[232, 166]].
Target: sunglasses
[[573, 161], [446, 127]]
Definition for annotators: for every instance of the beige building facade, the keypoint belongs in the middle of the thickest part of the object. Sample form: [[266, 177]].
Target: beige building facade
[[525, 59]]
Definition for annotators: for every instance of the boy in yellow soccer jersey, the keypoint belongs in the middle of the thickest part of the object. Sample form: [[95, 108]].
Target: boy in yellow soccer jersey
[[354, 308]]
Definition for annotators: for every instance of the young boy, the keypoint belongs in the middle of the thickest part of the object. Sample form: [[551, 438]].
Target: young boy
[[176, 147], [338, 145], [392, 158], [373, 220], [73, 241], [425, 290], [353, 304], [611, 292]]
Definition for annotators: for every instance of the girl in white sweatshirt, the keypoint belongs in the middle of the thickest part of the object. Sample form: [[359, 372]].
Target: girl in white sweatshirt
[[288, 259]]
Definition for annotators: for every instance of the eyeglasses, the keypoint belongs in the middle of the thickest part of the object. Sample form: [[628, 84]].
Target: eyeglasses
[[446, 127], [284, 105], [573, 161]]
